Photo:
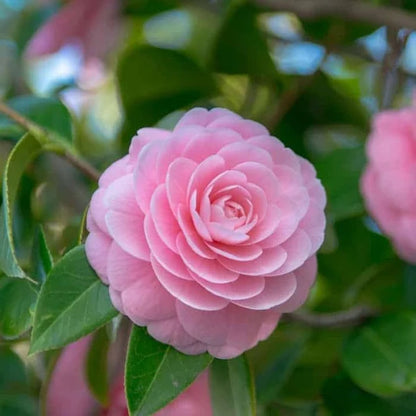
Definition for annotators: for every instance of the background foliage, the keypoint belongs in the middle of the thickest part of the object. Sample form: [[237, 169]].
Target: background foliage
[[315, 84]]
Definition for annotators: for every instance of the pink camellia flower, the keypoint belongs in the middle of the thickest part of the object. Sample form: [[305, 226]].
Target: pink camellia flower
[[207, 234], [388, 183], [93, 25], [68, 393]]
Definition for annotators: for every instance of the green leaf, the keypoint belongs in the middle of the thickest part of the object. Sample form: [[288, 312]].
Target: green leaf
[[41, 257], [72, 303], [22, 154], [380, 357], [48, 113], [96, 366], [343, 398], [269, 383], [17, 301], [241, 48], [343, 191], [14, 388], [156, 373], [232, 388], [154, 82]]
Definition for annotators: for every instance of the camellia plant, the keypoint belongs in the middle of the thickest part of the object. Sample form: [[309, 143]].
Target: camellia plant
[[208, 208]]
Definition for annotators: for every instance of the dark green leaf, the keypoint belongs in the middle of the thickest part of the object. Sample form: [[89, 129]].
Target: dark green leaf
[[154, 82], [148, 7], [22, 154], [342, 189], [269, 383], [14, 400], [380, 356], [41, 257], [48, 113], [17, 301], [96, 366], [72, 303], [241, 48], [343, 398], [156, 373], [232, 388]]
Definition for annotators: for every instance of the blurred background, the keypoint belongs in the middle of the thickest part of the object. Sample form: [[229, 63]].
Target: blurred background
[[93, 72]]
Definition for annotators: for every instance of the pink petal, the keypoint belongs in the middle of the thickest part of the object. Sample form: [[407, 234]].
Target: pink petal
[[194, 240], [207, 170], [268, 262], [298, 248], [97, 246], [262, 177], [268, 226], [222, 234], [313, 223], [170, 331], [120, 196], [113, 172], [210, 327], [98, 210], [127, 230], [244, 287], [177, 179], [208, 143], [163, 219], [305, 277], [170, 260], [144, 136], [197, 116], [187, 291], [276, 291], [146, 300], [279, 153], [249, 252], [246, 128], [116, 300], [124, 269], [236, 153], [145, 180], [207, 269]]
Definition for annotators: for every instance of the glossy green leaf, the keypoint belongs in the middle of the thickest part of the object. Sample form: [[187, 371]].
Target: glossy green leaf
[[380, 357], [14, 388], [344, 398], [269, 383], [22, 154], [96, 366], [232, 388], [72, 303], [156, 373], [241, 48], [48, 113], [343, 190], [41, 260], [17, 302], [154, 82]]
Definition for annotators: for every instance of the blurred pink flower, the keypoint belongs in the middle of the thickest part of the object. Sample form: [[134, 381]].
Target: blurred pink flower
[[68, 393], [93, 25], [388, 183], [207, 234]]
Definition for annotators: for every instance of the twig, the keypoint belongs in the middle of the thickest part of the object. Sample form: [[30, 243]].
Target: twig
[[350, 317], [15, 116], [357, 11], [81, 164]]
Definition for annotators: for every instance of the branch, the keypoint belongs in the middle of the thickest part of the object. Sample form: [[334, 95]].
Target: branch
[[15, 116], [350, 317], [348, 10], [82, 165]]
